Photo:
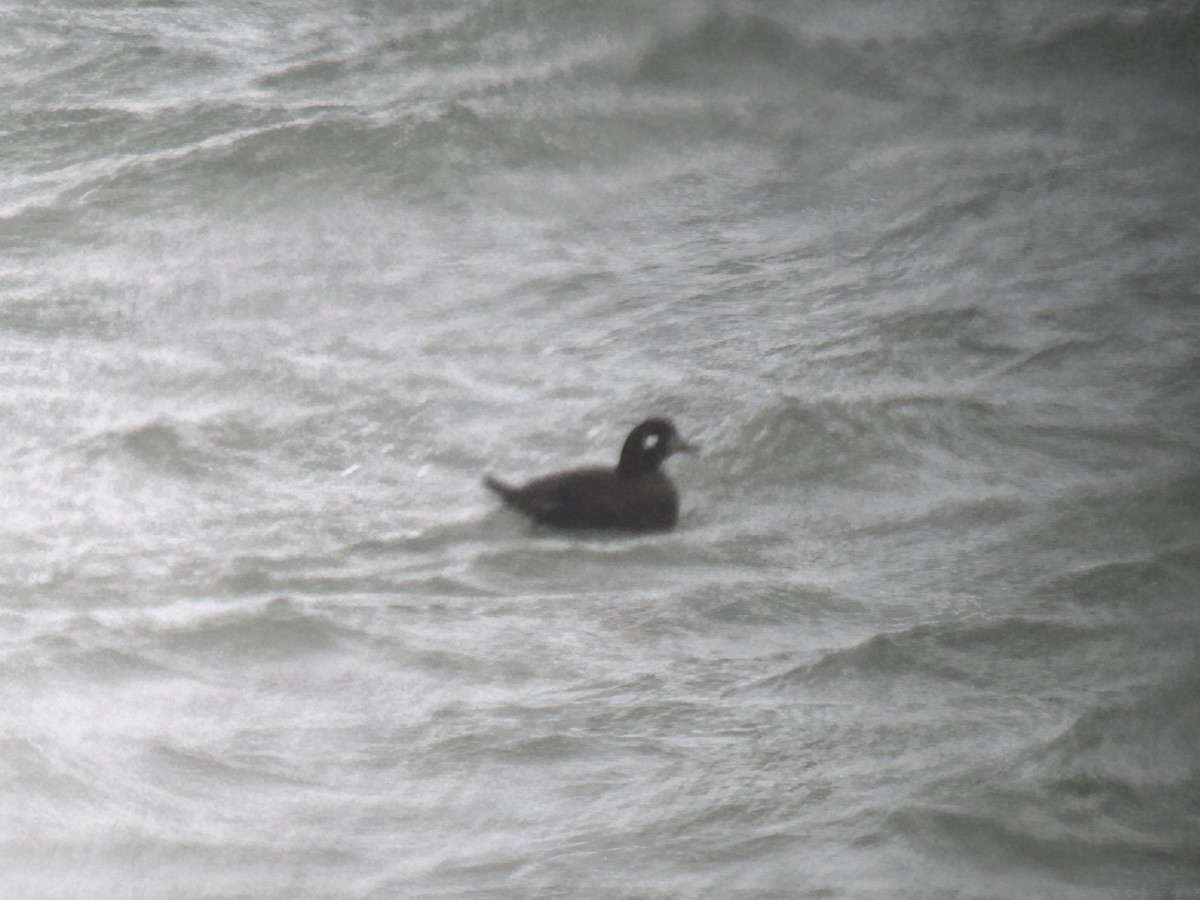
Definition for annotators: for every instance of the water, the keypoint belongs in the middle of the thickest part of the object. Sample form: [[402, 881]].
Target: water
[[281, 282]]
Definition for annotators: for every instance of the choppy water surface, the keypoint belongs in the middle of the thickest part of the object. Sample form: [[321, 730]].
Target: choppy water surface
[[280, 282]]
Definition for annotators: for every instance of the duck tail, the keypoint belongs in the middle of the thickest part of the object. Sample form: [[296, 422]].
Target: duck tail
[[503, 490]]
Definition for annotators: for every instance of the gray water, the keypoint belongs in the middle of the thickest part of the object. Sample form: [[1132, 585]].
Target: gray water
[[280, 282]]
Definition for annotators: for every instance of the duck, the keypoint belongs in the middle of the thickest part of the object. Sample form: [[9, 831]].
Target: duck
[[635, 495]]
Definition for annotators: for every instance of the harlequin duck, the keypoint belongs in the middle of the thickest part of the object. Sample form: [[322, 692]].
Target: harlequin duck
[[635, 496]]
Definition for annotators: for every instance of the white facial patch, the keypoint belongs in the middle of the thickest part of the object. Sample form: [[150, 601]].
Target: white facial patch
[[649, 442]]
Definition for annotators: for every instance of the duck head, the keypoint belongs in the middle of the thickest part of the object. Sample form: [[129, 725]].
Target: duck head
[[648, 445]]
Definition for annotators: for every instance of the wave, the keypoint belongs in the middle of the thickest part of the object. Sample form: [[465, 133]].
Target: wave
[[1095, 861], [420, 152], [773, 604], [1114, 792], [842, 439], [718, 41], [975, 654], [56, 315], [1135, 585], [228, 442], [726, 44], [419, 138], [80, 651], [110, 149], [162, 643], [200, 774], [178, 448], [160, 446], [1129, 747], [278, 629], [1160, 44], [309, 575]]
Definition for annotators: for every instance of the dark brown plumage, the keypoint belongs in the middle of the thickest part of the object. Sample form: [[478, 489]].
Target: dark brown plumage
[[635, 496]]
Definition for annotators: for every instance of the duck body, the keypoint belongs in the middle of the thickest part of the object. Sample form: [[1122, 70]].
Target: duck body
[[636, 495], [595, 498]]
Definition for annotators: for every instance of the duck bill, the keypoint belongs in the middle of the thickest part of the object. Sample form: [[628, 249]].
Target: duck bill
[[679, 445]]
